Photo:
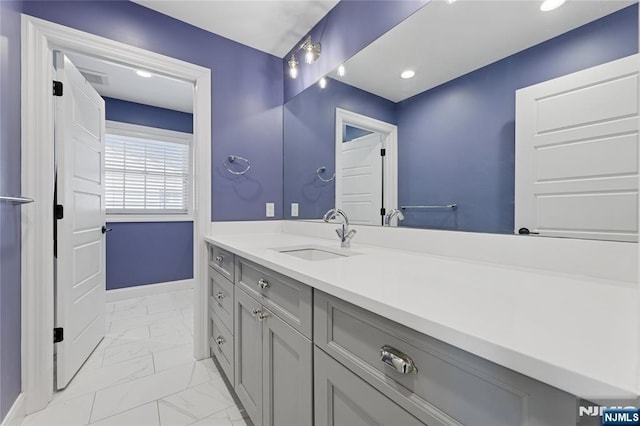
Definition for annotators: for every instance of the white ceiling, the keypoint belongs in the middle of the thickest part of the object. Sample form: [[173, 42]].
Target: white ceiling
[[123, 83], [443, 41], [273, 26]]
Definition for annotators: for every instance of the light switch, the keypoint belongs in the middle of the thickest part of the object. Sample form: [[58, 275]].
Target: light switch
[[294, 209], [271, 209]]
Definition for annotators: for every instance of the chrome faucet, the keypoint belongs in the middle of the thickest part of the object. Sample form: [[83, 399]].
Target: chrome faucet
[[389, 216], [344, 234]]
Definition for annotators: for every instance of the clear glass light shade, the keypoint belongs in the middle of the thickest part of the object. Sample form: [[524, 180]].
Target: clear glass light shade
[[309, 57], [293, 67], [341, 70]]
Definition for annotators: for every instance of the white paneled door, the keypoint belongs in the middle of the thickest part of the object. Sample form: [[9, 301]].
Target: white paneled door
[[80, 263], [577, 154], [361, 194]]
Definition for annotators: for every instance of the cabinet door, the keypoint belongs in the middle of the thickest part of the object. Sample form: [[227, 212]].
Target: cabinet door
[[248, 355], [344, 399], [287, 375]]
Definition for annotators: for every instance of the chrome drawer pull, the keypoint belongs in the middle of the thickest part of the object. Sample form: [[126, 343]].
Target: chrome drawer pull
[[220, 340], [219, 295], [263, 284], [399, 361], [219, 259], [258, 313]]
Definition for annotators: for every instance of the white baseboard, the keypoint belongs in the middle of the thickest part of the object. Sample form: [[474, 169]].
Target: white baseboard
[[16, 414], [147, 290]]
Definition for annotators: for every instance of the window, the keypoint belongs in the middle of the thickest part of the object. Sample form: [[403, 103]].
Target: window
[[147, 170]]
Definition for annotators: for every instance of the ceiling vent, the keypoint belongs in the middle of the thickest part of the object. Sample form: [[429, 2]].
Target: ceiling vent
[[94, 77]]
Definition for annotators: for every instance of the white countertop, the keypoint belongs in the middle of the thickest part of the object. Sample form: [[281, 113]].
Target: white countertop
[[575, 333]]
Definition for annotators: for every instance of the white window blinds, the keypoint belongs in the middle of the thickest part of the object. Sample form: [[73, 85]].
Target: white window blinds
[[146, 176]]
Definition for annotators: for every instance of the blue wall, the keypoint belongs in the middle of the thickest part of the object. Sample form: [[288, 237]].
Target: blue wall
[[146, 253], [344, 31], [246, 93], [10, 365], [456, 141], [309, 141], [150, 116], [141, 253]]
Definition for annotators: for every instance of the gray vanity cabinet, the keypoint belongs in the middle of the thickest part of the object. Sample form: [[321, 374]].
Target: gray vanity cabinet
[[287, 375], [220, 295], [300, 357], [344, 399], [273, 366], [433, 381], [248, 355]]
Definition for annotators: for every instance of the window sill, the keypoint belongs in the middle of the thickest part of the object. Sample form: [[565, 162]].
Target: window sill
[[149, 218]]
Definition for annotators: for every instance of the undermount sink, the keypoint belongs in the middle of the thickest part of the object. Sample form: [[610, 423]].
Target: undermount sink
[[314, 253]]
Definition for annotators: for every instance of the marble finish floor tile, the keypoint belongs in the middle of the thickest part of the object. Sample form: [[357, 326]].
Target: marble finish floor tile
[[173, 357], [137, 392], [145, 415], [203, 400], [137, 377], [74, 412], [91, 381]]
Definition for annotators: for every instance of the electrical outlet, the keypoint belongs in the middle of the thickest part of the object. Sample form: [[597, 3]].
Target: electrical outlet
[[271, 209], [294, 209]]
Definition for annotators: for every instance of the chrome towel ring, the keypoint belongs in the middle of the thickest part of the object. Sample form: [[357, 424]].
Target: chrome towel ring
[[234, 158], [322, 170]]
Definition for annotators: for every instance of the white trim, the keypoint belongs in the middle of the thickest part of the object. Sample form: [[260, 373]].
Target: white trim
[[135, 218], [390, 161], [16, 414], [148, 290], [39, 38]]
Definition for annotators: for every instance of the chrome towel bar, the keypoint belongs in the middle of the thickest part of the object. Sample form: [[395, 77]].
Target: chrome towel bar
[[447, 206], [16, 200]]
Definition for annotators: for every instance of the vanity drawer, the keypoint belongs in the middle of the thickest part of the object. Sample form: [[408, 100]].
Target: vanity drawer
[[221, 344], [286, 297], [449, 383], [221, 297], [222, 261]]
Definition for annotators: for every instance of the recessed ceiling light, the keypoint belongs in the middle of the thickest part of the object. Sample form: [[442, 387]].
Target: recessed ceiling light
[[407, 74], [451, 1], [341, 70], [145, 74], [548, 5]]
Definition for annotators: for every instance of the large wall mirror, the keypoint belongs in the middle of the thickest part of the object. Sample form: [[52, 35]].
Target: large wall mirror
[[478, 116]]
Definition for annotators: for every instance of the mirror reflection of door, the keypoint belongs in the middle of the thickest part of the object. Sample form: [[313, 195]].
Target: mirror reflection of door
[[362, 193]]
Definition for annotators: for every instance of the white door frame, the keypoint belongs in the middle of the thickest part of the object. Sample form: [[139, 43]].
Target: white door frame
[[390, 132], [39, 39]]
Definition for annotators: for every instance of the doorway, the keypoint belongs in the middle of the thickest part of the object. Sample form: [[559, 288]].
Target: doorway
[[40, 39], [366, 167]]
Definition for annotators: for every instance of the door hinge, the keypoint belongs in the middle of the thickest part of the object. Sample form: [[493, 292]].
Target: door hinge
[[58, 334], [383, 152], [383, 212], [57, 88], [58, 212]]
